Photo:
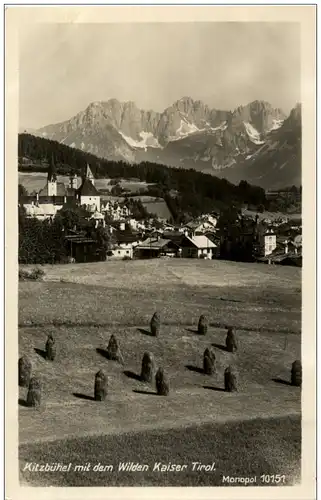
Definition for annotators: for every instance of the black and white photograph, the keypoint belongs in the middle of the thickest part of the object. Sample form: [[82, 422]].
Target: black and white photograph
[[160, 184]]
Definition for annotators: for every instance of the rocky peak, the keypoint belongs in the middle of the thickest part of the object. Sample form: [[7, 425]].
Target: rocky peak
[[260, 114]]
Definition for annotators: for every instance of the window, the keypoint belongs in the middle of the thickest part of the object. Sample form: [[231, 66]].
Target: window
[[127, 251], [118, 251]]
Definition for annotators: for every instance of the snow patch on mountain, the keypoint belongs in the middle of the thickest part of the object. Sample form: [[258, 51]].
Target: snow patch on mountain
[[148, 140], [276, 124], [253, 134], [184, 130], [222, 126]]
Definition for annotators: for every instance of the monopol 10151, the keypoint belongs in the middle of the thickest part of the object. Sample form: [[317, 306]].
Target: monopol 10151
[[272, 478]]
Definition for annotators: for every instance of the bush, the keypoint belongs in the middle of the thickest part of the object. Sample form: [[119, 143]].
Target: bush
[[35, 274], [231, 344], [50, 348], [202, 325], [230, 380], [101, 383], [126, 257], [148, 367], [24, 369], [113, 350], [162, 384], [296, 373], [34, 392], [209, 361], [155, 324]]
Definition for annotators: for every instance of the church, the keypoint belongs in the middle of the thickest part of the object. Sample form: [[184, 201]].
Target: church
[[54, 195]]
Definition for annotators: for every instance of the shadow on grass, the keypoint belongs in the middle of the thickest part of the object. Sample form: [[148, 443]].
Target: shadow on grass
[[40, 352], [83, 396], [132, 375], [102, 352], [281, 381], [23, 402], [192, 330], [196, 369], [150, 393], [220, 346], [229, 300], [220, 389], [145, 332]]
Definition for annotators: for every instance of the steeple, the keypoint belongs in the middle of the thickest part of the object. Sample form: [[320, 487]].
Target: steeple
[[52, 178], [89, 175]]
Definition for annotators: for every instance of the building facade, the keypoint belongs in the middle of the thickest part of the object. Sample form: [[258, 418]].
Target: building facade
[[54, 195]]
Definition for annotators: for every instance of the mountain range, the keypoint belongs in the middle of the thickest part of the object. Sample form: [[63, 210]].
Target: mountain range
[[256, 142]]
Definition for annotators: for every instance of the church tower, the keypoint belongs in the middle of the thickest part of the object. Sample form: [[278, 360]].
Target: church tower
[[52, 179], [89, 175]]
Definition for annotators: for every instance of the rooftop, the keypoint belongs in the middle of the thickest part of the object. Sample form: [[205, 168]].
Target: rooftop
[[87, 189], [154, 243], [201, 242]]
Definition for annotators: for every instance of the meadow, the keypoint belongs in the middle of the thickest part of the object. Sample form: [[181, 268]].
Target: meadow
[[250, 431]]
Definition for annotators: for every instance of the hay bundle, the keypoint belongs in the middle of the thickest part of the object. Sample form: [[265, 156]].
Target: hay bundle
[[231, 344], [230, 380], [101, 383], [148, 367], [155, 324], [296, 373], [209, 361], [34, 392], [50, 348], [113, 350], [202, 325], [162, 384], [24, 371]]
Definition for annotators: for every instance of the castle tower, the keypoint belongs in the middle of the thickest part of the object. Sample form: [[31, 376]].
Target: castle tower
[[89, 175], [52, 179]]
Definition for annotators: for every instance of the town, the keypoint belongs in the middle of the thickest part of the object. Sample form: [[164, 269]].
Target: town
[[234, 235]]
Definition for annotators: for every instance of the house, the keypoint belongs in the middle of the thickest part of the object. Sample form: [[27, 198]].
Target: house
[[83, 249], [98, 218], [125, 243], [199, 247], [285, 259], [115, 211], [157, 247], [266, 241]]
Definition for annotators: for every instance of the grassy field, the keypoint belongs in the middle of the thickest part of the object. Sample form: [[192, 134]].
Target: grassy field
[[265, 443], [82, 305]]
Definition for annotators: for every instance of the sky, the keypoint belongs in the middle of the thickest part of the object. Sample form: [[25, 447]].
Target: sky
[[65, 67]]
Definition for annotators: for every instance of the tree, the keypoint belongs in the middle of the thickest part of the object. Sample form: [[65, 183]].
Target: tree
[[21, 191], [116, 190], [103, 239], [73, 216]]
